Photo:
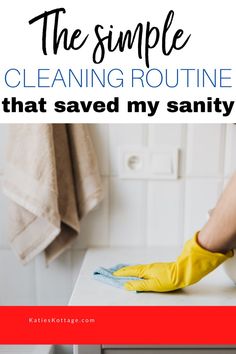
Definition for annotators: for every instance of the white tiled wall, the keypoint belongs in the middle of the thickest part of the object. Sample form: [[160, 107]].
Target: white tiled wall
[[205, 150], [134, 212], [165, 213]]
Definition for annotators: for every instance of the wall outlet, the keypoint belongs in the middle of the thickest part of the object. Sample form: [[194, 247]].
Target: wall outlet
[[137, 162]]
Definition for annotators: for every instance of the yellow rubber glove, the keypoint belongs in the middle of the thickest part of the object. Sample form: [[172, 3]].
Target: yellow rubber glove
[[193, 264]]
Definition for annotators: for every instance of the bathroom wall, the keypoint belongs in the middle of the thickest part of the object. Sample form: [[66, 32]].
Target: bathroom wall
[[135, 212]]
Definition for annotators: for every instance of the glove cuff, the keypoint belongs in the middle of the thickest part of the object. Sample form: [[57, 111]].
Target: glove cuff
[[206, 252]]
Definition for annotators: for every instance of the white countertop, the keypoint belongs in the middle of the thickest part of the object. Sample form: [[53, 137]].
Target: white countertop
[[215, 289]]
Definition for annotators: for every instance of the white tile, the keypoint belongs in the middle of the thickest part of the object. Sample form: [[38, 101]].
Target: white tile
[[94, 227], [99, 136], [3, 220], [120, 135], [17, 281], [54, 283], [205, 146], [171, 135], [165, 213], [200, 196], [127, 212], [230, 150], [166, 134], [77, 260], [3, 140]]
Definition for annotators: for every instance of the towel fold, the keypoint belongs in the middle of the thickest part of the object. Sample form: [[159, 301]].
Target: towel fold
[[105, 276], [52, 180]]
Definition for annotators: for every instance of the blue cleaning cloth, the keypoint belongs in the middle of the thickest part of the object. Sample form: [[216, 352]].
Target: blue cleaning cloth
[[105, 275]]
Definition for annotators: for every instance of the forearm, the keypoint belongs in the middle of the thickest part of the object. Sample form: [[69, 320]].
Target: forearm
[[202, 254], [219, 233]]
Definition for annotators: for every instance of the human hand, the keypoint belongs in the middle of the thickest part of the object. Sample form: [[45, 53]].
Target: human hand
[[192, 265]]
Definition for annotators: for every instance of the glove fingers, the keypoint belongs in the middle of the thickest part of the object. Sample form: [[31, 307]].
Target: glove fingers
[[140, 285], [150, 285], [131, 271]]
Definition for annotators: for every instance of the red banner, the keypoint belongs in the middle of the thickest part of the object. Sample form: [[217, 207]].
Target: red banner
[[117, 325]]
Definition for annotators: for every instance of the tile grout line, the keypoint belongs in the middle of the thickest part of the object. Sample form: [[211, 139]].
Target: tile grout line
[[223, 152], [184, 141], [108, 190], [146, 139]]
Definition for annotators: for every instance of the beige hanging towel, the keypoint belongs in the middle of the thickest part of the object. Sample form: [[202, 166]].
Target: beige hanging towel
[[52, 180]]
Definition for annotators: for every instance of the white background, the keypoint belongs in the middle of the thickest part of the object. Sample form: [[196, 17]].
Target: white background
[[211, 25]]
